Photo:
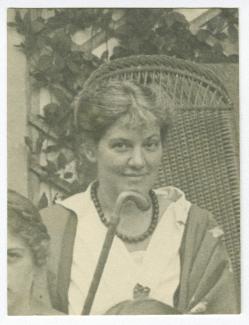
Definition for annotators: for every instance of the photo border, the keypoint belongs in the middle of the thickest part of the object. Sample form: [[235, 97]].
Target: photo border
[[242, 318]]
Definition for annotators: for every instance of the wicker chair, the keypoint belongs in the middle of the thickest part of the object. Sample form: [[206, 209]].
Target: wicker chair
[[200, 150]]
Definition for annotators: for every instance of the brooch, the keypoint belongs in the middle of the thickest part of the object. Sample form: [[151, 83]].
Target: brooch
[[140, 292]]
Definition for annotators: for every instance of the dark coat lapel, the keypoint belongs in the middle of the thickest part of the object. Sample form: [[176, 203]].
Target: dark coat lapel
[[61, 224], [64, 271], [206, 275]]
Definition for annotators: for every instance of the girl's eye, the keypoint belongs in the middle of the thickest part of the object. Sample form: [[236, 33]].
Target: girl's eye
[[13, 257], [120, 146]]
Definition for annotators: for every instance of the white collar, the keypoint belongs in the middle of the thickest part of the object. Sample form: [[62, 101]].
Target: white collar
[[179, 202]]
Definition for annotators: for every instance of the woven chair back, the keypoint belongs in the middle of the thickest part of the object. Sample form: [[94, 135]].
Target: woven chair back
[[199, 154]]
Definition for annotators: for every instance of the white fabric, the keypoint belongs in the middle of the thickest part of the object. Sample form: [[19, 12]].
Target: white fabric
[[157, 268]]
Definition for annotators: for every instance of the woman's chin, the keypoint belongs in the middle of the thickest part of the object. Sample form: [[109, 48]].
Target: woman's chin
[[135, 186]]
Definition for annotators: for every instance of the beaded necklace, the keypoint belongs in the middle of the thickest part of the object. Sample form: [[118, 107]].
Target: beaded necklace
[[126, 238]]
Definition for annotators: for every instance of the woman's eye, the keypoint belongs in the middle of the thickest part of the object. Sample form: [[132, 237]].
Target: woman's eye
[[152, 146]]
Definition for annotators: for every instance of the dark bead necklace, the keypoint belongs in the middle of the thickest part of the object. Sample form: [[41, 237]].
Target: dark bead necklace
[[125, 238]]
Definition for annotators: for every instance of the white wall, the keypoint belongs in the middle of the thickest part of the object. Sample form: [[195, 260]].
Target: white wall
[[17, 113]]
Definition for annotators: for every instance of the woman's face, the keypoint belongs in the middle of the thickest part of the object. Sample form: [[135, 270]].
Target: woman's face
[[128, 156], [20, 271]]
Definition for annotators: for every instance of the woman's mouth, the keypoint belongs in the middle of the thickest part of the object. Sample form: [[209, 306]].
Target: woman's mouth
[[135, 176]]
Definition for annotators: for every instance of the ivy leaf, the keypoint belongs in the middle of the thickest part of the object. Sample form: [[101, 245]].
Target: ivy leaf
[[61, 160], [51, 112], [39, 143], [233, 58], [218, 48], [180, 18], [233, 33], [11, 24], [55, 77], [73, 67], [51, 148], [56, 21], [72, 28], [69, 82], [220, 36], [37, 25], [88, 56], [27, 21], [43, 202], [56, 197], [76, 56], [105, 55], [60, 96], [50, 168], [29, 143], [19, 22], [45, 62], [119, 52], [61, 42], [42, 41], [203, 34], [18, 18], [59, 62], [169, 20], [68, 175], [40, 79]]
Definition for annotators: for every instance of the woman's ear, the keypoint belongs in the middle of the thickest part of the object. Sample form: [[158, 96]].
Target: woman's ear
[[88, 148], [90, 154]]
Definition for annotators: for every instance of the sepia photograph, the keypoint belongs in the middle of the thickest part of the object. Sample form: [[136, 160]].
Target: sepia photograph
[[123, 158]]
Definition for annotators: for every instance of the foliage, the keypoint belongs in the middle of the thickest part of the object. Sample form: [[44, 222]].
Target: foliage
[[165, 31], [60, 66]]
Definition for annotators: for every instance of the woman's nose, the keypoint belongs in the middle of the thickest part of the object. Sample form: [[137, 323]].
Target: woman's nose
[[137, 159]]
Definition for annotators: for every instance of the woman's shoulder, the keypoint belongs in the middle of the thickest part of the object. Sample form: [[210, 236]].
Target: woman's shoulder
[[195, 214], [60, 211], [57, 218], [202, 216], [173, 199]]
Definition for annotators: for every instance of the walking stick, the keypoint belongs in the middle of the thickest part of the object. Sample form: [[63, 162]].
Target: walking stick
[[142, 204]]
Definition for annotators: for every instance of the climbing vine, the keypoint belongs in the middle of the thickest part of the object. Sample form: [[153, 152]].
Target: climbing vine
[[59, 65]]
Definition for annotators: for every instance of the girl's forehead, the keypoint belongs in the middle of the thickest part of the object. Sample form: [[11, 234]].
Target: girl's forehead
[[15, 241]]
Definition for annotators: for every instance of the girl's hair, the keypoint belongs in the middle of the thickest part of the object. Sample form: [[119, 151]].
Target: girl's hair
[[97, 109], [142, 307], [25, 222]]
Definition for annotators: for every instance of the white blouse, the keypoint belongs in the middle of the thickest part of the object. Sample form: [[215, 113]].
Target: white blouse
[[158, 267]]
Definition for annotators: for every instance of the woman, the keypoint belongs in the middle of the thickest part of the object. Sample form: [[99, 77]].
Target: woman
[[173, 248], [28, 242]]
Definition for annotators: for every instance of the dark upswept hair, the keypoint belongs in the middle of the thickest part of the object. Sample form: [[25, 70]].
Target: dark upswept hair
[[145, 306], [98, 108], [25, 222]]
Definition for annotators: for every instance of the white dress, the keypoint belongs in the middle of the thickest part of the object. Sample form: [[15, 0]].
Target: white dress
[[158, 267]]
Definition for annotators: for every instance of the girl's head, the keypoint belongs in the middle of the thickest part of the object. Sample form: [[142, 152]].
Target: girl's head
[[28, 243], [142, 307]]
